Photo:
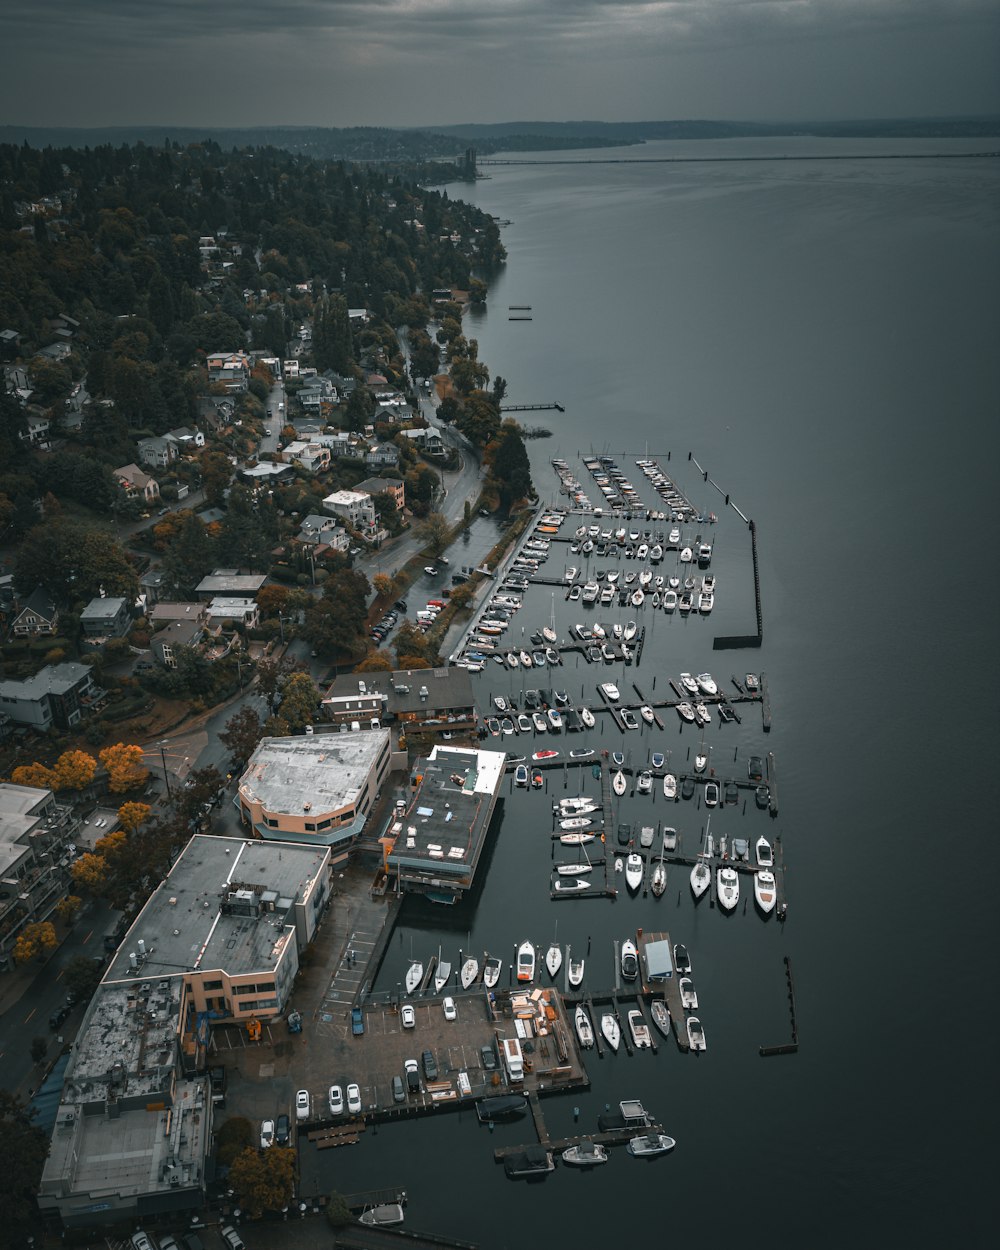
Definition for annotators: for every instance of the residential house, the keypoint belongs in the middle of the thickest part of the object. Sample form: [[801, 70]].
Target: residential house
[[313, 457], [383, 456], [261, 476], [56, 696], [245, 611], [337, 444], [164, 644], [230, 369], [136, 484], [427, 440], [106, 617], [167, 613], [358, 317], [316, 529], [78, 399], [152, 585], [228, 582], [291, 368], [37, 432], [15, 382], [187, 439], [57, 351], [436, 699], [158, 452], [385, 486], [10, 341], [38, 617], [215, 411], [356, 508]]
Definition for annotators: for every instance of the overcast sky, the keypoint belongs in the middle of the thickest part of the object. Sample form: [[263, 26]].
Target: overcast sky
[[426, 62]]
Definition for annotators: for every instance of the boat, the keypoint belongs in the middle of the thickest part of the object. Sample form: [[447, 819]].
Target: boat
[[669, 838], [633, 871], [765, 856], [658, 883], [669, 786], [539, 722], [610, 691], [639, 1029], [682, 960], [638, 598], [574, 971], [711, 794], [553, 958], [493, 725], [689, 995], [618, 783], [669, 600], [618, 759], [521, 775], [507, 726], [469, 972], [442, 975], [581, 753], [549, 631], [576, 805], [587, 716], [526, 962], [649, 1144], [764, 890], [656, 553], [660, 1012], [611, 1030], [642, 551], [414, 975], [584, 1029], [584, 1154], [570, 885], [706, 602], [523, 723], [752, 682], [701, 759], [532, 1161], [501, 1107], [629, 718], [630, 631], [382, 1214], [646, 835], [707, 684], [630, 960], [687, 555], [689, 683], [552, 656], [685, 711], [526, 659], [501, 704], [701, 878], [492, 967], [727, 887], [696, 1034], [674, 536], [512, 659], [702, 713], [430, 570], [582, 820], [645, 577], [576, 839], [646, 712], [539, 756]]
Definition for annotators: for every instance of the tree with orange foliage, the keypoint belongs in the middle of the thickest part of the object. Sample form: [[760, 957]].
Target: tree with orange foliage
[[67, 908], [375, 662], [35, 939], [272, 601], [131, 815], [110, 844], [124, 766], [36, 775], [74, 770], [89, 872]]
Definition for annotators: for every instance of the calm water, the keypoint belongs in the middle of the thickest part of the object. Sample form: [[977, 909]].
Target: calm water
[[822, 336]]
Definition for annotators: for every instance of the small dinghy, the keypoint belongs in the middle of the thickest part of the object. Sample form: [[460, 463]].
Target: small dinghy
[[574, 970], [611, 1030], [584, 1029], [661, 1016]]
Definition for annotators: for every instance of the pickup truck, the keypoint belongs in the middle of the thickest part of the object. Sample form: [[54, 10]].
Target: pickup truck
[[357, 1021]]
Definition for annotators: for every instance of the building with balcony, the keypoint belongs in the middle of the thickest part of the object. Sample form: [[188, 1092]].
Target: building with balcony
[[354, 506], [57, 696], [106, 618], [434, 699]]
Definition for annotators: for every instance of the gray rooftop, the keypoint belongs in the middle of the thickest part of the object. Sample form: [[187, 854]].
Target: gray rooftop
[[99, 609], [53, 679], [447, 688], [229, 582], [328, 771]]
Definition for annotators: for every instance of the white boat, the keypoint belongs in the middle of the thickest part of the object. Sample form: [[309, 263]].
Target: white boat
[[492, 967], [674, 536], [587, 716], [598, 631], [469, 972], [581, 821], [442, 975], [575, 839], [669, 786], [660, 1012], [414, 975], [549, 634], [638, 598], [645, 577], [646, 712], [669, 600], [656, 553], [526, 659], [574, 970], [526, 962], [512, 660], [523, 723], [689, 995], [633, 871], [611, 1030], [576, 805], [701, 759], [590, 592], [574, 870], [383, 1214], [642, 552], [706, 602], [584, 1154], [685, 711], [553, 959], [610, 691], [570, 885], [584, 1029], [618, 783], [650, 1144], [707, 683], [701, 878], [689, 683], [702, 713], [659, 879], [687, 555], [639, 1029], [764, 890], [696, 1034], [669, 838], [765, 856], [630, 631], [727, 887], [555, 720], [656, 598], [630, 960]]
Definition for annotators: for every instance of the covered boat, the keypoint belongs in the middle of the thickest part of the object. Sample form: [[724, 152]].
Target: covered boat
[[501, 1107], [630, 960]]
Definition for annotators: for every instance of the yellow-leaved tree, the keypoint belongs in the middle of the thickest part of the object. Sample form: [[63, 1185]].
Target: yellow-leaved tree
[[35, 939], [34, 775], [73, 770], [132, 814], [89, 872], [124, 765]]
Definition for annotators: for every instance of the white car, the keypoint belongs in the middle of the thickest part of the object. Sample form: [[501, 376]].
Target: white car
[[266, 1134], [231, 1237], [141, 1241], [408, 1016], [450, 1011], [354, 1099], [302, 1105], [336, 1097]]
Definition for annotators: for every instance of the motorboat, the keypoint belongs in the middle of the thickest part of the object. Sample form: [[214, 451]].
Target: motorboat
[[706, 602], [414, 975], [702, 713], [642, 552], [555, 720], [582, 820], [630, 631], [765, 856], [682, 960], [649, 1144], [764, 890], [727, 887], [686, 602], [701, 878], [638, 598], [629, 960], [701, 759], [611, 1029], [674, 536], [585, 1154], [382, 1214], [618, 759], [521, 775], [704, 554], [590, 592], [526, 660], [501, 1107], [685, 711], [469, 972], [442, 975], [570, 885], [539, 722], [669, 838], [644, 782], [707, 683], [646, 712], [660, 1012], [618, 783], [501, 704], [584, 1029], [696, 1034], [687, 788], [629, 719], [689, 995], [656, 553], [656, 598], [687, 555], [657, 759], [587, 716], [711, 794], [526, 962], [633, 871], [752, 682], [639, 1029], [553, 959], [689, 683], [646, 835], [581, 753], [762, 796], [576, 839], [574, 969], [577, 805], [532, 1161], [541, 756], [512, 659], [507, 726], [492, 967], [493, 725], [523, 723]]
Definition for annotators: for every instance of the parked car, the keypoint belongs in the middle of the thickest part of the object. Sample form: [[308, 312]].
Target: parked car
[[449, 1008], [488, 1058], [336, 1100], [59, 1015], [430, 1067], [142, 1241], [282, 1131], [408, 1016], [412, 1075], [398, 1089], [231, 1237], [302, 1105], [167, 1242], [266, 1134], [354, 1099]]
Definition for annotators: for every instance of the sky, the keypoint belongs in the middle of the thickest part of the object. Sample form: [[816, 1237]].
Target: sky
[[427, 62]]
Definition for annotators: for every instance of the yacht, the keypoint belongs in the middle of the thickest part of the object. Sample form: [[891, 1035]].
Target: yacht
[[707, 683], [629, 960], [764, 890], [610, 691], [553, 959], [765, 856], [590, 592], [689, 683], [526, 962], [727, 887], [633, 871]]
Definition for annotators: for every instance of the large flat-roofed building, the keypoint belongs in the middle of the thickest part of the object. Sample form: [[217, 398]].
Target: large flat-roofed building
[[217, 943], [435, 698], [319, 788], [437, 840]]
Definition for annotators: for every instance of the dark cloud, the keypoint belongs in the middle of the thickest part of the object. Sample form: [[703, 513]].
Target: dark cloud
[[402, 61]]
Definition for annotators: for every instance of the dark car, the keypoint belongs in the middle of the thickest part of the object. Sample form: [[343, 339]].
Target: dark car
[[755, 768], [59, 1015], [282, 1130], [400, 605], [488, 1058], [430, 1067], [412, 1076]]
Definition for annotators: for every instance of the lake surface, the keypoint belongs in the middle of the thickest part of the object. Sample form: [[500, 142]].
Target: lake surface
[[822, 335]]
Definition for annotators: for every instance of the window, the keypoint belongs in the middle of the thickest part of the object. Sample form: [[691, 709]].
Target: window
[[211, 985], [310, 828], [271, 822], [249, 1006], [263, 987], [240, 990]]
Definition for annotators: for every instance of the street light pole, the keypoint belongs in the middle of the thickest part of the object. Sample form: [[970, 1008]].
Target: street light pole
[[163, 761]]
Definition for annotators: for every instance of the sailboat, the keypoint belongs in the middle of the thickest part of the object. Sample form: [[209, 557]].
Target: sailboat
[[553, 957], [659, 881], [414, 974], [618, 783], [549, 631], [442, 973], [611, 1029], [469, 972]]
